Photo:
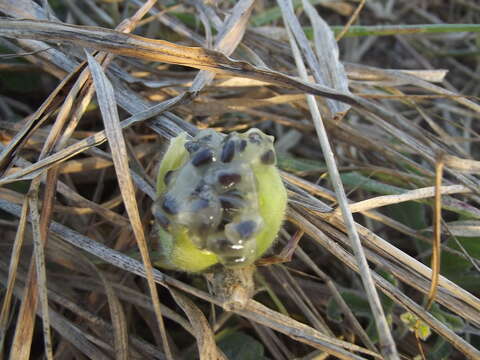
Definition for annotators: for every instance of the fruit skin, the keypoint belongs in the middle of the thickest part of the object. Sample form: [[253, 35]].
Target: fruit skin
[[178, 250]]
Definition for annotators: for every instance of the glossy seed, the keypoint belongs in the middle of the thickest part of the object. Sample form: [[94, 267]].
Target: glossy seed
[[192, 146], [203, 229], [268, 157], [202, 157], [246, 229], [243, 145], [234, 260], [221, 245], [228, 151], [227, 179], [230, 202], [162, 219], [255, 138], [158, 214], [223, 223], [235, 193], [170, 205], [168, 177]]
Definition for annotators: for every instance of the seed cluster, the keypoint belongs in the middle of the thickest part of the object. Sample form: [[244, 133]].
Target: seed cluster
[[214, 193]]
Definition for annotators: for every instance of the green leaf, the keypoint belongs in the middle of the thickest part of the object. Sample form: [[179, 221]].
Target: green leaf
[[468, 280], [471, 245], [188, 19], [415, 325], [409, 213], [458, 269], [19, 82], [357, 303], [295, 164], [454, 322], [240, 346], [333, 311], [356, 180], [452, 265], [387, 303], [441, 350]]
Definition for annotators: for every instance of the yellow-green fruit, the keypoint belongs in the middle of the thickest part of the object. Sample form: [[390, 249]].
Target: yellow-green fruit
[[220, 200]]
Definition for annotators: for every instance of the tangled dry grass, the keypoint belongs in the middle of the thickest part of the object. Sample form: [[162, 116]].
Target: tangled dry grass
[[377, 152]]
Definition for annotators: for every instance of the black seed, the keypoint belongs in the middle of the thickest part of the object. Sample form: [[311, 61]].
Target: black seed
[[243, 145], [168, 177], [221, 245], [170, 205], [228, 151], [162, 219], [230, 202], [235, 193], [158, 214], [246, 228], [223, 223], [229, 179], [234, 260], [268, 157], [202, 157], [191, 146], [203, 229], [255, 138]]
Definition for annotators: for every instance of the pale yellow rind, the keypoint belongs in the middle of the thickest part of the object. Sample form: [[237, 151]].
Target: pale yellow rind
[[272, 203]]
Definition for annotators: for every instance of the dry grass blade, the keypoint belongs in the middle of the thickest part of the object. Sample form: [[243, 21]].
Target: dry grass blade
[[390, 290], [290, 19], [120, 333], [40, 166], [386, 147], [284, 278], [254, 310], [281, 323], [326, 49], [158, 50], [77, 337], [352, 19], [203, 333], [416, 194], [14, 261], [82, 202], [227, 39], [37, 280], [437, 233], [41, 273], [462, 165], [388, 346], [20, 348], [416, 275], [34, 121], [463, 228], [357, 328], [113, 132]]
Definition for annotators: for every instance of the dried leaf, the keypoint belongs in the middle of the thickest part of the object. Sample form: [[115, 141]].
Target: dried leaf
[[462, 228], [108, 107], [326, 48], [462, 165], [157, 50], [201, 329]]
